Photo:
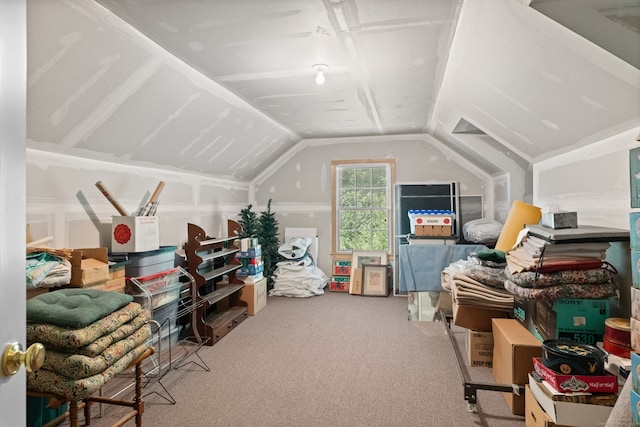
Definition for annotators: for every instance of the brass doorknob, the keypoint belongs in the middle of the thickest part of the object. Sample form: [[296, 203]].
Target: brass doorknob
[[13, 357]]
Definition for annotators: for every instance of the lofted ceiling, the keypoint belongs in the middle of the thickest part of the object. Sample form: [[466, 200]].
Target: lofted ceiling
[[225, 87]]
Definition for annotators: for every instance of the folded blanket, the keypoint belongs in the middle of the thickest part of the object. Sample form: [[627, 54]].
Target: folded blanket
[[47, 381], [74, 308], [567, 290], [469, 292], [530, 279], [65, 337], [472, 269], [78, 366]]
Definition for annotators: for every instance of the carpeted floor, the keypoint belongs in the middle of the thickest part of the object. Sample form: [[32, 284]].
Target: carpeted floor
[[330, 360]]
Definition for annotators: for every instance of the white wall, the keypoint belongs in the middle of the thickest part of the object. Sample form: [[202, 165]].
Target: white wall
[[64, 203], [300, 185], [594, 181]]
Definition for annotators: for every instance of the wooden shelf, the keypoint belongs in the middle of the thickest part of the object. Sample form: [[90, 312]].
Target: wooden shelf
[[222, 253], [219, 308], [219, 272], [221, 292]]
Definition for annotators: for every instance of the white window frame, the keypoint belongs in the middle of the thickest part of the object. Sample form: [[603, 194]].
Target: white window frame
[[390, 165]]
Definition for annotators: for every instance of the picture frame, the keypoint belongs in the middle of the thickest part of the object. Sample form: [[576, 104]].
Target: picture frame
[[360, 258], [374, 280]]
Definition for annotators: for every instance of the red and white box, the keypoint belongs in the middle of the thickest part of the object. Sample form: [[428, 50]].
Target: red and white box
[[575, 383], [135, 234]]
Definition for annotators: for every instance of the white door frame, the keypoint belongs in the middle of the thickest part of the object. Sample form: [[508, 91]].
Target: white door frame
[[13, 96]]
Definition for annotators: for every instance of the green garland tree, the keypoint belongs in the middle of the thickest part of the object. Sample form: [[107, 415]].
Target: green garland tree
[[249, 222], [268, 238]]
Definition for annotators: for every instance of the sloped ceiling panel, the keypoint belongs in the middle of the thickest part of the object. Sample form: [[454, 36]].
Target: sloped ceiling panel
[[385, 59], [96, 84], [533, 85]]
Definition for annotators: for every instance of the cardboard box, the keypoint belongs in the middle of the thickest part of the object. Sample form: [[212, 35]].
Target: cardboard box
[[634, 400], [339, 283], [524, 310], [34, 292], [635, 372], [635, 268], [436, 218], [342, 268], [559, 220], [89, 266], [514, 348], [569, 413], [535, 415], [250, 270], [475, 318], [111, 285], [480, 348], [574, 319], [575, 383], [250, 252], [433, 230], [135, 233], [255, 295], [634, 230]]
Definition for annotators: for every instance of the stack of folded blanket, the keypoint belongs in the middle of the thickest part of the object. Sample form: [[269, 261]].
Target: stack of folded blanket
[[89, 337], [478, 281], [592, 283], [540, 269]]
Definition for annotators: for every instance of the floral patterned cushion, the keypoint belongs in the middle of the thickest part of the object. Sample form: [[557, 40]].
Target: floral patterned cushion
[[74, 308], [78, 366], [65, 337], [47, 381]]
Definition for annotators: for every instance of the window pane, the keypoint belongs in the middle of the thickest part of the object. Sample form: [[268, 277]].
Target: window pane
[[347, 198], [363, 177], [379, 219], [347, 178], [379, 177], [363, 198], [379, 198], [348, 220], [347, 239], [380, 241]]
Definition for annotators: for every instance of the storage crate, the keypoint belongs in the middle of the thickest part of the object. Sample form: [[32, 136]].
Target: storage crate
[[430, 219], [38, 414], [156, 290], [151, 262]]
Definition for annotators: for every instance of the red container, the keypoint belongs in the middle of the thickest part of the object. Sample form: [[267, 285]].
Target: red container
[[617, 331], [607, 383]]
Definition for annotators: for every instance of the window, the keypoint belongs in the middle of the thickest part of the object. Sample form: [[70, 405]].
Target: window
[[362, 205]]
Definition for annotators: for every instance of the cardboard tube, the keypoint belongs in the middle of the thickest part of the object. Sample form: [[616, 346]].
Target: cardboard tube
[[110, 198], [521, 213], [156, 193]]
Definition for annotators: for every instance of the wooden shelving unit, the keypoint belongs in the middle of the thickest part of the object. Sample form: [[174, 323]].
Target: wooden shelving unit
[[218, 305]]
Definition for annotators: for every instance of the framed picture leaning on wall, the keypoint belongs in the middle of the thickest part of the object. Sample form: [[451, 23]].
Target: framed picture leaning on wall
[[360, 258], [374, 280]]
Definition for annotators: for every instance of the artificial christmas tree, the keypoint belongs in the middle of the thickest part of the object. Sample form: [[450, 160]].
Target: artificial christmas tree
[[249, 223], [268, 238]]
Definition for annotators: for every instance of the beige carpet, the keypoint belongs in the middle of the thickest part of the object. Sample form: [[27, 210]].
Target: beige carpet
[[329, 360]]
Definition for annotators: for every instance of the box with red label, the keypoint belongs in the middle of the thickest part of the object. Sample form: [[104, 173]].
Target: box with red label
[[340, 284], [342, 268], [431, 222], [575, 383], [135, 234]]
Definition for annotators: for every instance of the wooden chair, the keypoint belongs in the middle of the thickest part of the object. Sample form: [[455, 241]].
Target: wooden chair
[[136, 405]]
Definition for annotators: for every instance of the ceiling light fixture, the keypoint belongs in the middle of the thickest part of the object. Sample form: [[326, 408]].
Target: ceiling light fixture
[[320, 79]]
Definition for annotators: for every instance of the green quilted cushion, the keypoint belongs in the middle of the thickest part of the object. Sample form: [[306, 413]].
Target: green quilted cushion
[[74, 308]]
